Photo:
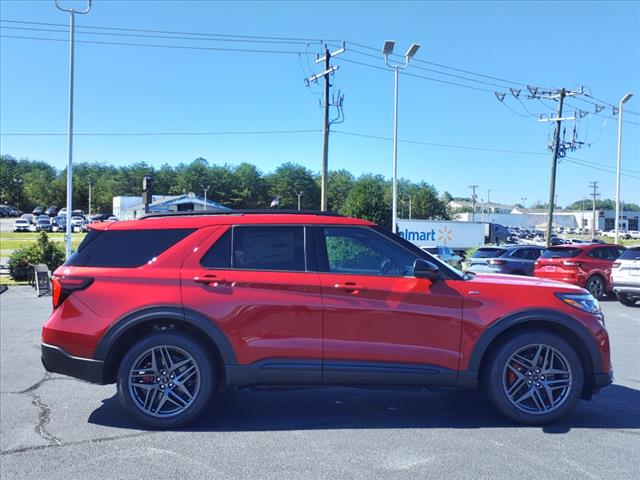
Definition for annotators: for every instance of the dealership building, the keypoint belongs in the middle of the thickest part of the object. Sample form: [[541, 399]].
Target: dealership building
[[130, 208]]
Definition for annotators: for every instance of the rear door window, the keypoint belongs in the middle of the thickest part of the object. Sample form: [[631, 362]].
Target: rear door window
[[269, 248], [124, 248]]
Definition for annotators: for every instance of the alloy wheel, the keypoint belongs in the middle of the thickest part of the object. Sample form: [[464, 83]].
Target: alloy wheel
[[164, 381], [537, 379], [596, 287]]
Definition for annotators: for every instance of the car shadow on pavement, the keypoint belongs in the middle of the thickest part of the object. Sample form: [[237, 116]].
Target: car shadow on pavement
[[233, 410]]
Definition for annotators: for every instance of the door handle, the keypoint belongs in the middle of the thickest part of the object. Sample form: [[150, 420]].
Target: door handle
[[350, 286], [210, 280]]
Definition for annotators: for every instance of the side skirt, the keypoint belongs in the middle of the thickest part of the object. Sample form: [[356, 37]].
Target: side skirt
[[291, 372]]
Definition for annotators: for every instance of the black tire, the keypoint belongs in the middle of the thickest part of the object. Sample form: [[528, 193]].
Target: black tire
[[625, 300], [596, 286], [496, 370], [203, 392]]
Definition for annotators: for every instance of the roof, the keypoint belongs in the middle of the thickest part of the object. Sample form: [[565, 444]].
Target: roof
[[230, 217], [163, 202]]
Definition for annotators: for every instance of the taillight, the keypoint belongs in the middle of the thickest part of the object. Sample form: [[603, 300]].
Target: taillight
[[536, 263], [61, 287], [495, 261], [569, 263], [615, 265]]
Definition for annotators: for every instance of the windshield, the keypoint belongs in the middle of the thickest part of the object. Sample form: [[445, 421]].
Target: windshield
[[560, 253], [489, 252]]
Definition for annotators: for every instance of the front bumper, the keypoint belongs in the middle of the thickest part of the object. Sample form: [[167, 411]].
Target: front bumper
[[56, 360]]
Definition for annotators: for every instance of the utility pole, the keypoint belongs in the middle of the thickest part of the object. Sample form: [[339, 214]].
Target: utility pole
[[594, 185], [582, 224], [473, 202], [554, 165], [328, 70], [409, 207], [299, 194], [89, 198], [72, 30], [205, 189]]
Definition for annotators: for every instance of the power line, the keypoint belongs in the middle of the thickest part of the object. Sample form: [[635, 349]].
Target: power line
[[152, 45], [577, 161], [96, 27], [172, 37]]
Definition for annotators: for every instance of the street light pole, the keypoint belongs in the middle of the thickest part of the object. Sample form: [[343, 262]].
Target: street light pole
[[386, 51], [206, 189], [299, 194], [72, 27], [623, 100]]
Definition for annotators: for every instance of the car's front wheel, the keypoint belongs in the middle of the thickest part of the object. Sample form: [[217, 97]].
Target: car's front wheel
[[534, 377], [165, 380]]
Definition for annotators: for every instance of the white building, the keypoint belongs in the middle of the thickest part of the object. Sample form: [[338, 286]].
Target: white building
[[530, 218], [130, 208]]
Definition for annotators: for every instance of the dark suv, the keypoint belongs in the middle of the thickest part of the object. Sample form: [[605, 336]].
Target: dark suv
[[173, 307], [514, 260]]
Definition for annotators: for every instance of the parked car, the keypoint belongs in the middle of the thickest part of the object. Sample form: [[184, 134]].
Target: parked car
[[62, 211], [9, 211], [300, 299], [588, 266], [52, 211], [28, 217], [38, 211], [84, 227], [43, 225], [21, 225], [445, 254], [514, 260], [99, 217], [59, 221], [625, 276], [634, 234], [598, 241], [76, 221], [112, 218]]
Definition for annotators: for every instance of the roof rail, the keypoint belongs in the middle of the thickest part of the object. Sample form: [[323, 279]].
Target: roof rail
[[265, 211]]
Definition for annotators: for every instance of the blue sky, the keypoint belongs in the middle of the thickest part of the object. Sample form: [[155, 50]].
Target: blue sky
[[138, 89]]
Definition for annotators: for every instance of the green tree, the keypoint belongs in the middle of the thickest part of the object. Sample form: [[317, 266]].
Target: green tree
[[290, 178], [366, 200], [250, 188], [339, 183]]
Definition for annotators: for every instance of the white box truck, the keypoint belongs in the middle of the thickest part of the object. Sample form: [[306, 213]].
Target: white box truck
[[456, 235]]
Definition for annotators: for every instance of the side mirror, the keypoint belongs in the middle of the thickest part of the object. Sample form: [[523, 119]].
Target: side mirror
[[425, 269]]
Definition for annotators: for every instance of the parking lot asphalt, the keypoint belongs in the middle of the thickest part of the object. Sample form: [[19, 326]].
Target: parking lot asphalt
[[54, 427]]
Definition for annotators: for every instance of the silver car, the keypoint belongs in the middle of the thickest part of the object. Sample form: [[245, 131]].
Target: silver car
[[445, 254]]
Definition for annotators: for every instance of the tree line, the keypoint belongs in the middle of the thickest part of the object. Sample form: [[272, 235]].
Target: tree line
[[27, 184]]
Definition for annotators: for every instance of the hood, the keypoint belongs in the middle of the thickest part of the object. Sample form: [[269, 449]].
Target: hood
[[520, 280]]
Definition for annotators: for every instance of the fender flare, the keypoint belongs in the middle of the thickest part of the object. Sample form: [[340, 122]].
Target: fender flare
[[171, 313], [533, 315]]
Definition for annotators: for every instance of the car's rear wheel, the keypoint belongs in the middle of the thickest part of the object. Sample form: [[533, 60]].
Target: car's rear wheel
[[596, 286], [625, 300], [165, 380], [534, 377]]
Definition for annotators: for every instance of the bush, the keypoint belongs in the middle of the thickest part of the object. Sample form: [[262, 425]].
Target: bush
[[42, 251]]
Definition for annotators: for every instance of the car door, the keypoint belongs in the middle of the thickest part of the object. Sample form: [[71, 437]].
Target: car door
[[257, 287], [381, 324]]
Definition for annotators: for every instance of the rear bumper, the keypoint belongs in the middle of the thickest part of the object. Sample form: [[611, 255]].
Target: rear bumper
[[56, 360], [627, 288]]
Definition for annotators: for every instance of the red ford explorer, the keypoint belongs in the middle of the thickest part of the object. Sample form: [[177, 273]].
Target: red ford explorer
[[172, 307]]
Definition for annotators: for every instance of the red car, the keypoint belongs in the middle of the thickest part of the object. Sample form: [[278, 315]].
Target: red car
[[586, 265], [173, 307]]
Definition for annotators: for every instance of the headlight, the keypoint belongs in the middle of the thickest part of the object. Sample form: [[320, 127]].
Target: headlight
[[581, 301]]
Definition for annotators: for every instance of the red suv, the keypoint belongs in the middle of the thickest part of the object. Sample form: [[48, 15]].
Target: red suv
[[173, 307], [588, 266]]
